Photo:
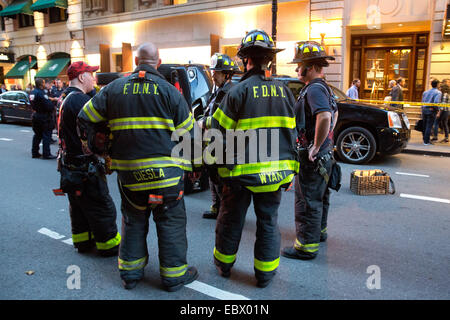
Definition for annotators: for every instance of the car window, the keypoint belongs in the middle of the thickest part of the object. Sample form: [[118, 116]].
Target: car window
[[22, 96], [10, 96], [199, 83], [339, 95]]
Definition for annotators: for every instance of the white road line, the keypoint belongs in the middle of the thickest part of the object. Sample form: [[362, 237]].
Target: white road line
[[25, 131], [6, 139], [412, 196], [51, 234], [214, 292], [413, 174], [68, 241]]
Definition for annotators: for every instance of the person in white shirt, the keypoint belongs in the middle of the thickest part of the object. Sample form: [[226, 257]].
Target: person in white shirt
[[352, 92]]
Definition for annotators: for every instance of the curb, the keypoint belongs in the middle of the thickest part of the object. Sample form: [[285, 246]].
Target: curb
[[427, 152]]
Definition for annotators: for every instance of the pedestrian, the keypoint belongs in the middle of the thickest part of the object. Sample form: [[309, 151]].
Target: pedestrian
[[42, 120], [263, 107], [316, 114], [397, 92], [143, 110], [223, 68], [442, 116], [92, 210], [3, 88], [352, 92], [429, 112], [56, 91]]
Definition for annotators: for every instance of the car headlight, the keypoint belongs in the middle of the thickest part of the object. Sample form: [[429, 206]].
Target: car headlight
[[406, 120], [394, 120]]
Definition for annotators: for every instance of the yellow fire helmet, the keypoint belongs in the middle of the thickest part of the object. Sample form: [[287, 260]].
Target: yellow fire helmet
[[222, 62], [257, 43], [308, 51]]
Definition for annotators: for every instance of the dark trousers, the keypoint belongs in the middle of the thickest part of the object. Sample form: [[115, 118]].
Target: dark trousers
[[312, 201], [170, 220], [428, 121], [230, 222], [93, 215], [442, 120], [42, 132]]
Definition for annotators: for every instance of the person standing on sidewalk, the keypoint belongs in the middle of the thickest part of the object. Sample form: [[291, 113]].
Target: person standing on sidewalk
[[443, 112], [429, 112], [352, 92]]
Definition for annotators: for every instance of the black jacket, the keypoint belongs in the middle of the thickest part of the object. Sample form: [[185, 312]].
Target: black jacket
[[40, 102], [262, 107], [142, 111]]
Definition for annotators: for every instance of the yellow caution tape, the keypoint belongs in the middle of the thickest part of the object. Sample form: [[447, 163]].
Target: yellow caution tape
[[444, 105]]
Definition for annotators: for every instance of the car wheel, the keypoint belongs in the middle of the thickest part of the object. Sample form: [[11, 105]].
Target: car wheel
[[356, 145]]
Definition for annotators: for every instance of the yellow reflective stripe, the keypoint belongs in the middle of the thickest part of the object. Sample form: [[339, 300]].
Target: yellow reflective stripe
[[324, 230], [208, 123], [186, 124], [80, 237], [271, 187], [153, 184], [267, 266], [224, 257], [224, 120], [133, 265], [173, 272], [312, 247], [110, 243], [158, 162], [266, 122], [92, 114], [260, 167], [141, 123]]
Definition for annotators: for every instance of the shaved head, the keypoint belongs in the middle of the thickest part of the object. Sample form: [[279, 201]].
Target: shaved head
[[147, 53]]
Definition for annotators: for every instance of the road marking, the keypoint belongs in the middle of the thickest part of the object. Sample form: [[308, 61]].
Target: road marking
[[413, 174], [412, 196], [68, 241], [6, 139], [51, 234], [25, 131], [214, 292]]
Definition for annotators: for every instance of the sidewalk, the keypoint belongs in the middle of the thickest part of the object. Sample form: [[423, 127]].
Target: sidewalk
[[415, 146]]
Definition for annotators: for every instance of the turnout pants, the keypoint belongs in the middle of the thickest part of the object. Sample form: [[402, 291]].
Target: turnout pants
[[216, 189], [312, 200], [93, 215], [170, 220], [230, 222]]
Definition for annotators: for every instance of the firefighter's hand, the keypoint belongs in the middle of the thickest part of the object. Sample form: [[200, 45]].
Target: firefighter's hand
[[200, 123], [312, 153]]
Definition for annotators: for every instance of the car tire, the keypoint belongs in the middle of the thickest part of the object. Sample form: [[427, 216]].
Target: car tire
[[356, 145]]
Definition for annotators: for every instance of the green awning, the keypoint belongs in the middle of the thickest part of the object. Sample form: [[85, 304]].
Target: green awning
[[45, 4], [17, 7], [52, 68], [20, 69]]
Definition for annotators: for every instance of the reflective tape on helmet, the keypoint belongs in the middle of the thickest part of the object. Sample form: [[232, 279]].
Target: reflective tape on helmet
[[266, 266], [225, 258], [133, 265], [173, 272], [311, 247], [111, 243]]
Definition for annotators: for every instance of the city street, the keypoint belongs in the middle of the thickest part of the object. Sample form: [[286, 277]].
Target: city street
[[378, 247]]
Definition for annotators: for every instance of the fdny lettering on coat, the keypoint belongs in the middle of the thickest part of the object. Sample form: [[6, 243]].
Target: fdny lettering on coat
[[148, 174], [268, 91], [140, 88], [271, 177]]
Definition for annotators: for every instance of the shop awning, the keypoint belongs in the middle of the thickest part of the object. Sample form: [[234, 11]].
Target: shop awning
[[45, 4], [17, 7], [52, 68], [20, 69]]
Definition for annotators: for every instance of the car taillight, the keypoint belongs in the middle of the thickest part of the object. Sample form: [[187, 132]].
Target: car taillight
[[394, 120]]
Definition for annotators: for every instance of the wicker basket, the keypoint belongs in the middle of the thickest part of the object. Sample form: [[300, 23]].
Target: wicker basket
[[369, 182]]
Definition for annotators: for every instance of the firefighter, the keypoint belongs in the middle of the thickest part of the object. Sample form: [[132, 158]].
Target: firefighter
[[223, 68], [316, 114], [143, 110], [42, 121], [260, 108], [92, 210]]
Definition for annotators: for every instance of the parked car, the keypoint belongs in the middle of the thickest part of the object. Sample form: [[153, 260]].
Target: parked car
[[364, 129], [15, 106]]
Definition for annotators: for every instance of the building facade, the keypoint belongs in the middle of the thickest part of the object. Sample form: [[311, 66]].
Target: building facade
[[373, 40]]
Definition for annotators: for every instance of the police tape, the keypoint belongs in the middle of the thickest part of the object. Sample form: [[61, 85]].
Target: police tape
[[410, 103]]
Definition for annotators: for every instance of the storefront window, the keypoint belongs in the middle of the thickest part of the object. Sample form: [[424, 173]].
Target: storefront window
[[25, 20], [57, 15]]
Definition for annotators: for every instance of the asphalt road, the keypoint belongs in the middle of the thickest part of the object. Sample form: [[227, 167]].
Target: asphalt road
[[401, 239]]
